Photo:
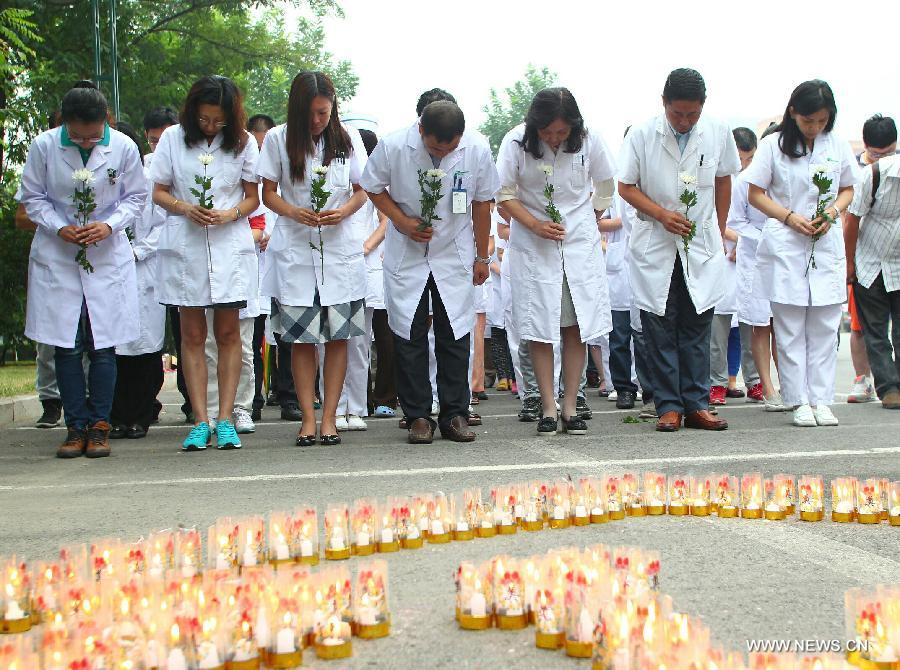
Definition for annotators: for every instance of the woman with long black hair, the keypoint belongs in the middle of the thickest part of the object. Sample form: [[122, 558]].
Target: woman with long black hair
[[316, 269]]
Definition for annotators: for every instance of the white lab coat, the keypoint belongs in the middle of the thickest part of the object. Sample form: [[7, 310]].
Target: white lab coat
[[652, 161], [747, 222], [451, 253], [495, 301], [374, 261], [196, 270], [151, 315], [617, 258], [56, 283], [783, 253], [728, 304], [536, 273], [262, 304], [293, 267]]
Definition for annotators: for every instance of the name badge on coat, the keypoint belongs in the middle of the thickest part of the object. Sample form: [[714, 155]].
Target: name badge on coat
[[459, 196]]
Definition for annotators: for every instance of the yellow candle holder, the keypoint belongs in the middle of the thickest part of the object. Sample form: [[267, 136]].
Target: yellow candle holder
[[252, 664], [464, 510], [612, 489], [843, 499], [285, 661], [440, 521], [363, 524], [251, 542], [786, 493], [552, 641], [774, 509], [337, 532], [752, 496], [334, 652], [701, 488], [679, 495], [869, 501], [371, 614], [811, 498], [15, 581], [486, 531], [894, 504], [474, 597]]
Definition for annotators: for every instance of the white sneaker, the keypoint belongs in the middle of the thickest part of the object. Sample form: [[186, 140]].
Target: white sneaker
[[243, 423], [613, 396], [435, 408], [341, 424], [648, 411], [774, 404], [824, 417], [862, 390], [355, 422], [804, 417]]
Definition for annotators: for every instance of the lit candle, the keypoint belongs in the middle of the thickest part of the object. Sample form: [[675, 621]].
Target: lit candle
[[387, 535], [478, 603], [263, 633], [333, 632], [559, 513], [437, 527], [462, 526], [306, 547], [362, 536], [585, 626], [337, 539], [580, 511], [176, 660], [249, 552], [282, 551], [209, 655], [284, 641], [13, 611], [222, 562]]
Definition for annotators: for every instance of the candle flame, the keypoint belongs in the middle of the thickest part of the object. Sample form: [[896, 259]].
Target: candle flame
[[175, 634]]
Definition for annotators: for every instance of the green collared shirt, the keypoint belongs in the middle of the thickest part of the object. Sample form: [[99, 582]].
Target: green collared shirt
[[65, 141]]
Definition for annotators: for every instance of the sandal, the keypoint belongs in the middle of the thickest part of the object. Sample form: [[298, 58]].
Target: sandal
[[329, 440], [306, 440], [384, 411]]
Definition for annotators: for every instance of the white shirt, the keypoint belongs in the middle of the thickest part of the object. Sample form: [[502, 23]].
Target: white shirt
[[878, 247]]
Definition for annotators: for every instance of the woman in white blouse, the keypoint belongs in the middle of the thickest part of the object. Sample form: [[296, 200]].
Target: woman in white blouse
[[204, 175], [801, 263]]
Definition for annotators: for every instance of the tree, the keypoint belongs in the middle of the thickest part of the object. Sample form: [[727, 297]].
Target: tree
[[506, 112]]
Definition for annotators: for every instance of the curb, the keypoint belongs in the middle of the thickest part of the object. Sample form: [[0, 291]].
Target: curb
[[27, 408]]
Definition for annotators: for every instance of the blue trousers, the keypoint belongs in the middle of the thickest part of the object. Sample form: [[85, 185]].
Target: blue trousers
[[678, 350], [82, 412]]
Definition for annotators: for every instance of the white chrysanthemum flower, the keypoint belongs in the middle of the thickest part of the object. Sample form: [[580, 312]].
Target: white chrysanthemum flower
[[83, 175], [547, 170], [206, 159], [821, 168], [320, 170], [436, 174], [687, 178]]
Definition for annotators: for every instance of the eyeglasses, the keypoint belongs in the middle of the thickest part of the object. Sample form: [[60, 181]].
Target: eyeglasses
[[76, 139], [203, 121], [153, 141], [880, 154]]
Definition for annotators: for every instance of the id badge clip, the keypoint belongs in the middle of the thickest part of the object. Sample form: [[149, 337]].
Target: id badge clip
[[460, 201]]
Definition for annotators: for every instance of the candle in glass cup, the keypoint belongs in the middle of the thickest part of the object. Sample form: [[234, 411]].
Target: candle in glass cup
[[700, 495], [251, 541], [464, 516], [306, 534], [371, 612], [160, 553], [752, 496], [439, 520], [410, 535], [843, 500], [388, 530], [362, 527], [281, 551], [188, 552], [679, 495], [474, 600], [107, 560], [15, 615], [532, 502], [612, 488], [632, 496], [868, 501], [811, 498], [503, 499], [655, 493], [559, 504], [509, 594], [286, 642], [773, 509], [333, 635], [223, 544], [726, 496], [894, 504], [337, 532], [419, 507], [580, 623], [784, 489], [549, 616]]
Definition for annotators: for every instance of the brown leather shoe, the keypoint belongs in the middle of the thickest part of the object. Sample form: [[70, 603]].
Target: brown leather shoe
[[703, 420], [98, 440], [74, 445], [421, 431], [669, 422], [891, 400], [473, 419], [457, 430]]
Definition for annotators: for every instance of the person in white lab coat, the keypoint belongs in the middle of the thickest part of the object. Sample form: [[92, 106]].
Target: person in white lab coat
[[315, 271], [558, 278], [805, 292], [139, 368], [675, 153], [437, 267], [206, 257], [89, 306]]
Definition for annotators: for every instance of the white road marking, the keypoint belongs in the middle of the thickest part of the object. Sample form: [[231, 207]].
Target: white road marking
[[511, 467]]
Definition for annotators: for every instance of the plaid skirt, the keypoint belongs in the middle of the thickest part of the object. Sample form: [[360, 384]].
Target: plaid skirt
[[317, 324]]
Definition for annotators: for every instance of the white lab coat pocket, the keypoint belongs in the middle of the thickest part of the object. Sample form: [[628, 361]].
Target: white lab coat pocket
[[706, 175], [338, 177], [231, 171], [580, 171]]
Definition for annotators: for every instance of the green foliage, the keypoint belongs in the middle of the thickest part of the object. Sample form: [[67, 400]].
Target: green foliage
[[83, 198], [318, 197], [507, 111], [430, 188]]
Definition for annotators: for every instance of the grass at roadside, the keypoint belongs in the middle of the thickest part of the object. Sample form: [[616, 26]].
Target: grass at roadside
[[16, 378]]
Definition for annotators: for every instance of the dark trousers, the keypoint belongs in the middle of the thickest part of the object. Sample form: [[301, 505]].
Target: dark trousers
[[500, 353], [620, 352], [175, 325], [283, 379], [259, 333], [640, 366], [384, 389], [139, 380], [877, 307], [413, 386], [678, 351], [82, 412]]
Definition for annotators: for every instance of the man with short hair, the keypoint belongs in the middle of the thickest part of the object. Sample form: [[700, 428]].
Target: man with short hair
[[443, 262], [678, 255], [872, 240]]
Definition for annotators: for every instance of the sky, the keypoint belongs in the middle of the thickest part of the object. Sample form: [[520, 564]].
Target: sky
[[614, 56]]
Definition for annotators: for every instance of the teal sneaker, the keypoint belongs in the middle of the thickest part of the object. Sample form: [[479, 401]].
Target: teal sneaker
[[197, 439], [226, 435]]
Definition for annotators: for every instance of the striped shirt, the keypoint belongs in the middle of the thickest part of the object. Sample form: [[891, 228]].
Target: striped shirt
[[878, 248]]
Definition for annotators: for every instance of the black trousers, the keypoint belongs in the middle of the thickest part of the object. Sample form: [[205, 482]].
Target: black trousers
[[878, 308], [175, 326], [413, 385], [384, 390], [259, 332], [283, 379], [500, 353], [139, 380]]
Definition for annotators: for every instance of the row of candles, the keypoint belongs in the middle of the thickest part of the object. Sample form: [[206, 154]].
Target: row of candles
[[605, 604], [212, 620]]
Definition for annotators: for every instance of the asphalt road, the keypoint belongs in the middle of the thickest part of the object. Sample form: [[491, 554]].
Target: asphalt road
[[747, 579]]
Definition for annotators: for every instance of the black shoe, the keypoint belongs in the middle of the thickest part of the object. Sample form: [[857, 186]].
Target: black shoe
[[256, 414], [582, 410], [157, 410], [547, 426], [272, 399], [51, 415], [626, 400], [531, 410], [306, 440], [291, 412], [481, 395], [574, 426], [118, 432], [593, 379], [330, 440], [135, 432]]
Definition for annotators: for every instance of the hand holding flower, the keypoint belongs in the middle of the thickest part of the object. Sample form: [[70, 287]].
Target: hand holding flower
[[94, 232], [218, 217], [305, 216], [674, 222], [801, 224], [413, 229], [196, 214], [70, 234], [332, 217], [549, 230]]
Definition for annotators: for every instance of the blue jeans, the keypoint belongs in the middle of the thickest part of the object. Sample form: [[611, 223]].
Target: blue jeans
[[80, 411]]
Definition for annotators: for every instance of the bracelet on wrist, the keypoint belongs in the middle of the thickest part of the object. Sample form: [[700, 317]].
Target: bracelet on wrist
[[483, 259], [786, 217]]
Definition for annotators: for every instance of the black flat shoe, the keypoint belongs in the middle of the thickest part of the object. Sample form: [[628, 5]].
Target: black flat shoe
[[306, 440], [547, 426], [574, 426], [330, 440], [135, 432], [118, 432], [481, 395]]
